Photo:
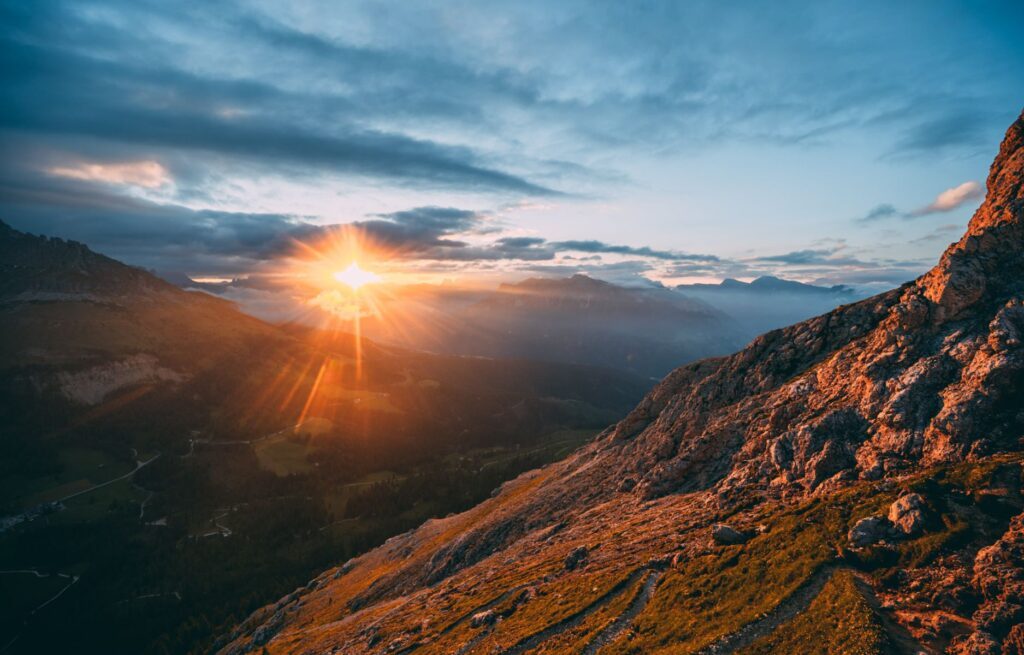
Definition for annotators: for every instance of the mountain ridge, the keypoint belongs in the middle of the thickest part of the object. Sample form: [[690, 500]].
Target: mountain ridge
[[766, 283]]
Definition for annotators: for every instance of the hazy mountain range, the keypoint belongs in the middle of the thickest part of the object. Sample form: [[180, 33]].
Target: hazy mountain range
[[647, 330]]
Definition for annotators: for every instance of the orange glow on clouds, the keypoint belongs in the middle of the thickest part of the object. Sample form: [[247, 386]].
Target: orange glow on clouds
[[147, 174]]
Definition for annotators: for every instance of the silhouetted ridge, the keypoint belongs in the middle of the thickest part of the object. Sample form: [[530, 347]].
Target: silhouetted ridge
[[32, 264]]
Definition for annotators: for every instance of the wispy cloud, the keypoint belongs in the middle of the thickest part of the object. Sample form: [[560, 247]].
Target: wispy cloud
[[950, 199], [947, 201], [148, 174]]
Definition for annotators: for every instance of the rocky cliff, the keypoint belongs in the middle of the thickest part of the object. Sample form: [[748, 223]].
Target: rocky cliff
[[860, 468]]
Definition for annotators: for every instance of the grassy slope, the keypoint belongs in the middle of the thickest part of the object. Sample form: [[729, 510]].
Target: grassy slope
[[840, 621]]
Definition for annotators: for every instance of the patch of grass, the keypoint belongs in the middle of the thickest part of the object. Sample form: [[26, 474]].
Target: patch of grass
[[840, 621], [79, 468], [282, 456], [718, 593], [96, 504], [367, 401], [923, 550]]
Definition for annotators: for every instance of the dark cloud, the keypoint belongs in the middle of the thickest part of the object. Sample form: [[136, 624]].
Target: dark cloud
[[829, 256], [957, 129], [52, 91], [420, 229], [520, 242], [643, 251], [165, 236], [879, 212]]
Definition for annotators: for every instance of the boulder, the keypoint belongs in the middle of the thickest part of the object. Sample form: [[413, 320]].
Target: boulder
[[727, 535], [907, 514], [976, 643], [868, 531], [576, 558], [481, 619]]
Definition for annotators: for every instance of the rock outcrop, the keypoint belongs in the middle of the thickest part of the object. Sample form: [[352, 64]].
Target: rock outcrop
[[907, 514]]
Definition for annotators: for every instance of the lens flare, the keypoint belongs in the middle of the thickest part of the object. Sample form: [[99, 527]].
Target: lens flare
[[355, 277]]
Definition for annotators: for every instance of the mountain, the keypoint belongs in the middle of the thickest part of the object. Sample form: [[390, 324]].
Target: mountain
[[576, 320], [768, 302], [849, 484], [768, 284], [171, 462]]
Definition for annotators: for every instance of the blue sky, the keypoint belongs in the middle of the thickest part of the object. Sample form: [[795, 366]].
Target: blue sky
[[833, 142]]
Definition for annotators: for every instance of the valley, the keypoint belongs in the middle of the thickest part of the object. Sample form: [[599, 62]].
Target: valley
[[185, 463]]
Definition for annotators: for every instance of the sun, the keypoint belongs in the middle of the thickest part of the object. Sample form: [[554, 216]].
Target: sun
[[355, 277]]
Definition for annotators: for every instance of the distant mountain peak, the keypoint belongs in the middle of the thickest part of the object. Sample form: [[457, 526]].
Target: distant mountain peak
[[767, 284]]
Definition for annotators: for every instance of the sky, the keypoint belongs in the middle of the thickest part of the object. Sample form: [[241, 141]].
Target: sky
[[639, 142]]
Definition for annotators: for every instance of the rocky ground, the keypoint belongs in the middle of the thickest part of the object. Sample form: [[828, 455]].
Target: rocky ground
[[848, 484]]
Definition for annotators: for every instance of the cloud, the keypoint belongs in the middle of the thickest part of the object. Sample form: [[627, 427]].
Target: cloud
[[148, 174], [118, 101], [946, 201], [419, 229], [592, 246], [520, 242], [949, 129], [951, 199], [879, 212], [829, 256]]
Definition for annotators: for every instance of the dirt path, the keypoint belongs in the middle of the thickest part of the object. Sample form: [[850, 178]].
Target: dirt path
[[616, 627], [785, 611], [902, 642], [72, 579], [139, 465], [579, 617]]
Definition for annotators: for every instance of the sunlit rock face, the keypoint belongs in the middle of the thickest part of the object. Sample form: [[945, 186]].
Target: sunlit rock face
[[880, 441]]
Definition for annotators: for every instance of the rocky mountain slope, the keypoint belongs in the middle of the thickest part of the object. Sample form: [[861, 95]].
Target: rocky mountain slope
[[848, 484]]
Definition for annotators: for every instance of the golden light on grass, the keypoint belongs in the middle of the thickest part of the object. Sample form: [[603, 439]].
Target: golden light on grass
[[355, 277]]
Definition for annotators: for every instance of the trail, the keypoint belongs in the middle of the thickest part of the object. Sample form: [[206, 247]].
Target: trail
[[8, 522], [574, 620], [616, 627], [785, 611], [900, 639], [222, 530], [145, 501], [139, 465], [482, 608], [73, 579]]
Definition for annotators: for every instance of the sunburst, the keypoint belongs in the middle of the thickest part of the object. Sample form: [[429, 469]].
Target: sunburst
[[355, 278]]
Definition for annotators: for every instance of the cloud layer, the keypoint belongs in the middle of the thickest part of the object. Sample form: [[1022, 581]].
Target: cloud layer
[[209, 138]]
